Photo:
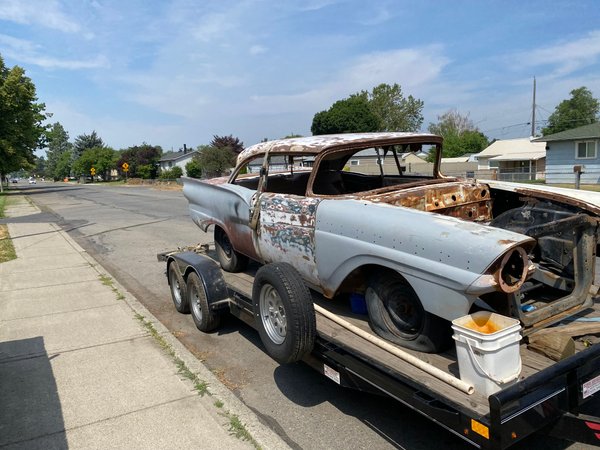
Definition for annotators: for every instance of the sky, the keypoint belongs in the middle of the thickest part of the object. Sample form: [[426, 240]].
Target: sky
[[179, 72]]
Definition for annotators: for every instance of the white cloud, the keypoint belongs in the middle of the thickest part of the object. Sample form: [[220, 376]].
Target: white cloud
[[29, 53], [45, 13], [567, 57], [257, 50], [410, 68]]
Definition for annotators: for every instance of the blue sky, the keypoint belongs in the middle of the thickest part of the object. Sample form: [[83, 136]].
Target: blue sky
[[175, 72]]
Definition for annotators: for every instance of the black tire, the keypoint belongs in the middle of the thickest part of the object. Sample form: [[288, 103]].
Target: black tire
[[284, 312], [178, 290], [206, 320], [231, 261], [396, 314]]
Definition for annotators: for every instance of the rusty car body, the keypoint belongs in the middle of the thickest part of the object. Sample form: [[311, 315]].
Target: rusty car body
[[422, 248]]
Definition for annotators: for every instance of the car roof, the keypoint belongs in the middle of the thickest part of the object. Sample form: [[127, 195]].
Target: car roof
[[318, 144]]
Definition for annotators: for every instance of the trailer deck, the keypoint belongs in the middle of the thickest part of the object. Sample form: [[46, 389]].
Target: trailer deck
[[560, 398], [327, 329]]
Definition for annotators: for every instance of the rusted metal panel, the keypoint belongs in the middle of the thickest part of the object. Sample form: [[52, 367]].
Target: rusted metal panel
[[458, 199], [286, 232]]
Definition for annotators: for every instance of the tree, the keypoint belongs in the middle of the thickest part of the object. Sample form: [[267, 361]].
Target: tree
[[21, 117], [103, 159], [214, 160], [85, 142], [580, 109], [40, 166], [141, 155], [57, 143], [351, 115], [460, 134], [230, 142], [193, 169], [63, 165], [394, 111]]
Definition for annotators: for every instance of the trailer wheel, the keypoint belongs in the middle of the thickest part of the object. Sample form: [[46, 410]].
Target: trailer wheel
[[178, 290], [284, 312], [205, 319], [231, 261], [396, 314]]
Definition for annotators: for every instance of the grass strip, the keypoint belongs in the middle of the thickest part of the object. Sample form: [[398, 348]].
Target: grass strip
[[7, 249], [236, 427]]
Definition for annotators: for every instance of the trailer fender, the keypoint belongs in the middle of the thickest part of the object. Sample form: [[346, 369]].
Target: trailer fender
[[207, 270]]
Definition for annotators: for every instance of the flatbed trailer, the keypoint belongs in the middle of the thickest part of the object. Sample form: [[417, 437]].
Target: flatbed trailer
[[556, 398]]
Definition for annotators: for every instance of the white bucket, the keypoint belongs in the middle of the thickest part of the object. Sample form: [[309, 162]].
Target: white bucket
[[487, 348]]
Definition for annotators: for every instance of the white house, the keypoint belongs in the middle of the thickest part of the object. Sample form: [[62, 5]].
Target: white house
[[514, 159], [180, 159]]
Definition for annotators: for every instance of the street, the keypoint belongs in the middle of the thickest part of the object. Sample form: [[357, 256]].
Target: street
[[124, 227]]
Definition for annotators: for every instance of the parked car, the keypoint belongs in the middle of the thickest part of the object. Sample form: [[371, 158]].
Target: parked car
[[422, 248], [14, 180], [32, 180]]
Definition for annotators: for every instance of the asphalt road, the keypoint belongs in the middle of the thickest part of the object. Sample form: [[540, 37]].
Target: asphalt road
[[125, 227]]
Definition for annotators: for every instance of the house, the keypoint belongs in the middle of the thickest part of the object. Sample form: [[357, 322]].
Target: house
[[180, 159], [514, 159], [571, 148], [460, 166], [367, 162]]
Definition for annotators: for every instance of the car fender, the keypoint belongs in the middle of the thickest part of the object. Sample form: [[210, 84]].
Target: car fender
[[226, 205], [440, 256]]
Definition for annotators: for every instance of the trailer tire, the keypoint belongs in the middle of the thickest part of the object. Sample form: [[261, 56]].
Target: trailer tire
[[396, 314], [178, 289], [230, 260], [284, 312], [206, 320]]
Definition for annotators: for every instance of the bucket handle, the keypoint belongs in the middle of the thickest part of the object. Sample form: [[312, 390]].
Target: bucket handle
[[502, 381]]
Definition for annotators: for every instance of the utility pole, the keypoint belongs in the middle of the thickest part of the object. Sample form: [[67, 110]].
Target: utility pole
[[533, 111]]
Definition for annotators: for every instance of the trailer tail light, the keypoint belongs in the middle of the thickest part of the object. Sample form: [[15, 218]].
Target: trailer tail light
[[594, 427]]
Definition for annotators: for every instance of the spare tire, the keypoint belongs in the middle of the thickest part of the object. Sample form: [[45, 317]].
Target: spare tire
[[284, 312]]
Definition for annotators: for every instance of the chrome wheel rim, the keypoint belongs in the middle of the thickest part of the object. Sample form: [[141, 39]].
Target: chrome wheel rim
[[175, 288], [195, 304], [272, 314]]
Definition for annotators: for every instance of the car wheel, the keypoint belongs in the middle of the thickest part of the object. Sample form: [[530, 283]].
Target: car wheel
[[396, 314], [230, 260], [178, 289], [205, 319], [284, 312]]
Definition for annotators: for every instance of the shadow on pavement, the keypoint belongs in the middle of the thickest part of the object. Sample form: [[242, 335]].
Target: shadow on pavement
[[30, 410]]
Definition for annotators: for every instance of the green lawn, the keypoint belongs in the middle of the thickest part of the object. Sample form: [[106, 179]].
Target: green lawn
[[7, 251]]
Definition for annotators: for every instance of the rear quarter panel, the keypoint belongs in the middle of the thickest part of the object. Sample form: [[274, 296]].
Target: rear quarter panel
[[439, 256]]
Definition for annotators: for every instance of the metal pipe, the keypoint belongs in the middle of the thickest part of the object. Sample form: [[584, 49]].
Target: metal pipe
[[426, 367]]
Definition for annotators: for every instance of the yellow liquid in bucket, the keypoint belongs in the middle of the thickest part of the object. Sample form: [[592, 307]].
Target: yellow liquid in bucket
[[482, 325]]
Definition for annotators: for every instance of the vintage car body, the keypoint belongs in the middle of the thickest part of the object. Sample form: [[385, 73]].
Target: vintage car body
[[448, 245]]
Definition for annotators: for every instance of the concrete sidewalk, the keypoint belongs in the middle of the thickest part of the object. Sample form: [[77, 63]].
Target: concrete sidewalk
[[84, 365]]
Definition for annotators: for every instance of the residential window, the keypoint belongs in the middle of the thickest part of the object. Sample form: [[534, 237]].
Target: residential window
[[355, 162], [585, 150]]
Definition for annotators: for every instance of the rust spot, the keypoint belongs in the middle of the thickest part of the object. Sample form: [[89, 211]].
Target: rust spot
[[506, 242]]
